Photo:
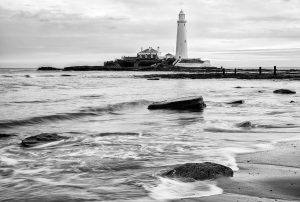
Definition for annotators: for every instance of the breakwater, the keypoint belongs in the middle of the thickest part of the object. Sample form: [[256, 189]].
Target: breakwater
[[194, 73]]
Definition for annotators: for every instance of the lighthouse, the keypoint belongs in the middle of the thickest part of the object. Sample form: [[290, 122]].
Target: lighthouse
[[181, 43]]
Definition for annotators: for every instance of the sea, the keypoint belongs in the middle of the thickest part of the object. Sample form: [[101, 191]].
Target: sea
[[117, 149]]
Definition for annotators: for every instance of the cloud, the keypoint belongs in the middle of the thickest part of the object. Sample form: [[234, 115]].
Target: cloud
[[104, 29]]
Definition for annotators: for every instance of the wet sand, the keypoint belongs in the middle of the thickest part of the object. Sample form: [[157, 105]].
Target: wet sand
[[263, 176]]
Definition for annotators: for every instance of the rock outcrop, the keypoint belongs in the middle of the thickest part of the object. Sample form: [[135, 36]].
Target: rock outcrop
[[48, 69], [284, 91], [237, 102], [246, 124], [188, 103], [41, 139], [200, 171]]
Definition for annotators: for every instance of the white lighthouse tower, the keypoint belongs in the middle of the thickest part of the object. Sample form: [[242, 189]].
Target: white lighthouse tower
[[181, 43]]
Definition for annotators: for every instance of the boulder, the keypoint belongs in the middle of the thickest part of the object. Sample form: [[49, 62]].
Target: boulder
[[292, 101], [188, 103], [284, 91], [237, 102], [200, 171], [246, 124], [41, 139]]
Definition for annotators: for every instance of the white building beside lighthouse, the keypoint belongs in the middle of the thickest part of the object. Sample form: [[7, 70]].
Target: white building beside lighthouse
[[181, 56], [181, 42]]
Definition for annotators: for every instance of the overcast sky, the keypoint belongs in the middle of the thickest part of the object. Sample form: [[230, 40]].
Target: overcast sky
[[75, 32]]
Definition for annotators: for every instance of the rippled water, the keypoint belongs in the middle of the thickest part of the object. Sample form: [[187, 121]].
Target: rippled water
[[117, 147]]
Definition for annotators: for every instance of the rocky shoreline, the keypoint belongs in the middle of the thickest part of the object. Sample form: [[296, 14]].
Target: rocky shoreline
[[271, 175], [192, 73], [167, 68]]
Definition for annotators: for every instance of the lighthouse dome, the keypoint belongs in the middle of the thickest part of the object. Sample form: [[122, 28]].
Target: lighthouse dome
[[181, 16]]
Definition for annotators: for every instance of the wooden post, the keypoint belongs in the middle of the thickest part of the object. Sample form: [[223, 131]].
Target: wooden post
[[223, 70], [235, 71], [259, 70], [275, 70]]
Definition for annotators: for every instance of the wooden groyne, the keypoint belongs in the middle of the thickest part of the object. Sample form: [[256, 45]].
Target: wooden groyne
[[220, 73]]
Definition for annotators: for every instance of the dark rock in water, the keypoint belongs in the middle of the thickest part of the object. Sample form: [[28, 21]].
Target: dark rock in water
[[188, 103], [246, 124], [27, 76], [292, 101], [6, 135], [200, 171], [41, 139], [284, 91], [153, 79], [237, 102], [238, 87], [66, 75], [48, 69], [260, 91]]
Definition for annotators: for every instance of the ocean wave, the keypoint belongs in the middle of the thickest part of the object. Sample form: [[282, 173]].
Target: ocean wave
[[223, 130], [118, 134], [89, 111], [277, 112], [117, 107], [38, 101], [277, 126], [168, 189], [111, 165], [46, 75], [91, 96], [7, 76]]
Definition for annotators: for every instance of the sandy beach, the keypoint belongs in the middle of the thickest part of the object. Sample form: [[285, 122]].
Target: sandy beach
[[263, 176]]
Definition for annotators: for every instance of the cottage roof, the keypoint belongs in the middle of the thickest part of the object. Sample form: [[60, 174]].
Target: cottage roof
[[149, 50]]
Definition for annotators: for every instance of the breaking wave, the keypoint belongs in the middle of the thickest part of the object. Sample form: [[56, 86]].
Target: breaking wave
[[168, 189], [89, 111]]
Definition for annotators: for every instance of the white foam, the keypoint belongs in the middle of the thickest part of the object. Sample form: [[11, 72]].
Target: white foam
[[8, 161], [168, 189], [49, 144]]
